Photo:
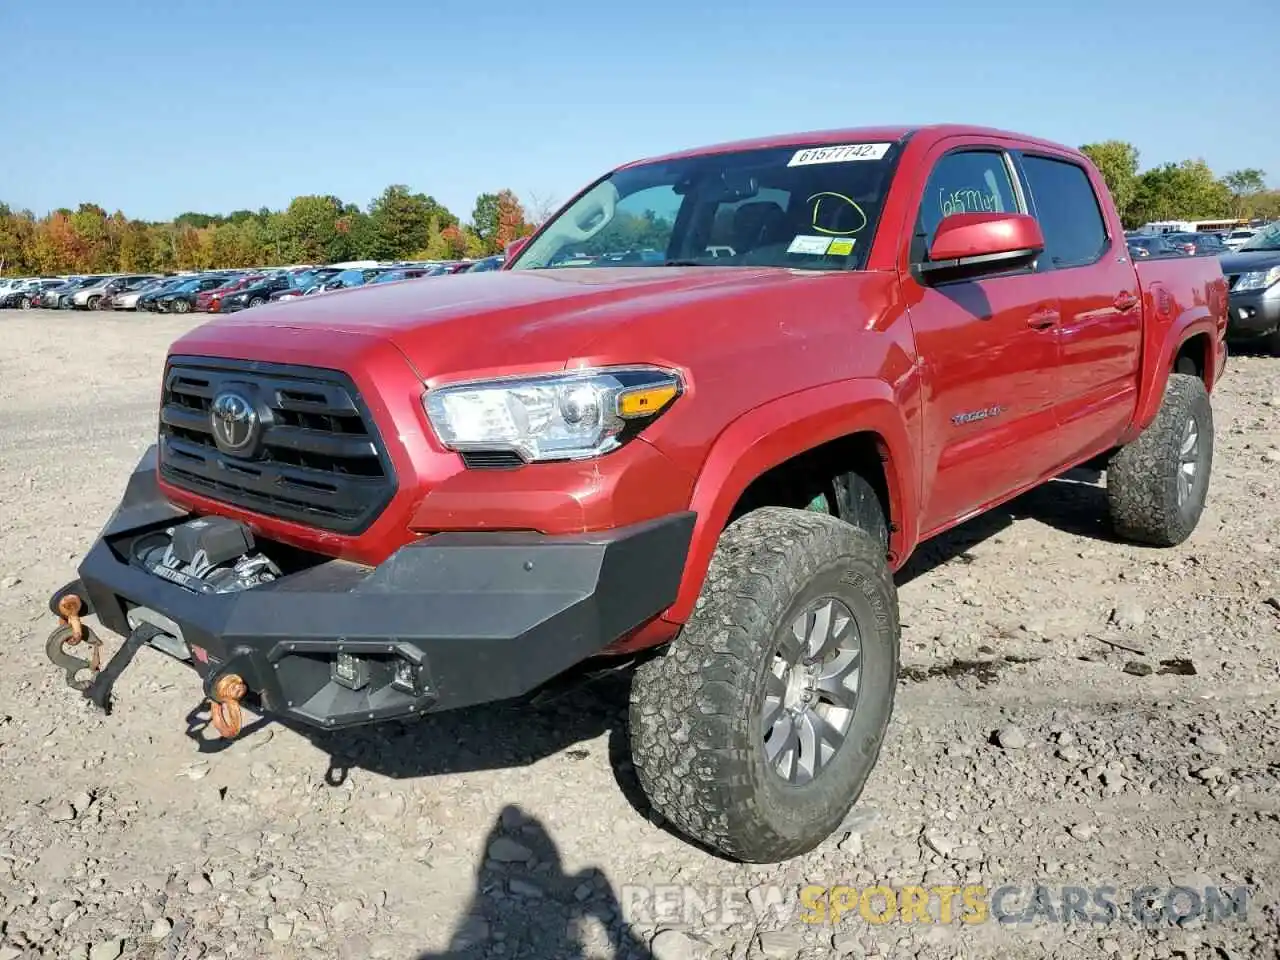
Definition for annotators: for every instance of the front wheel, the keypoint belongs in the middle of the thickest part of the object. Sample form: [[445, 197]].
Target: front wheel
[[756, 730], [180, 306], [256, 302], [24, 303], [1157, 484], [93, 303]]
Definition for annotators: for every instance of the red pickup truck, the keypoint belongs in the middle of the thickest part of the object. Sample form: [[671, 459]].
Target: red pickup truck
[[826, 348]]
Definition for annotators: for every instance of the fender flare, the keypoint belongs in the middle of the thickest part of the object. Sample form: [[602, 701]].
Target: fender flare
[[1158, 363], [775, 432]]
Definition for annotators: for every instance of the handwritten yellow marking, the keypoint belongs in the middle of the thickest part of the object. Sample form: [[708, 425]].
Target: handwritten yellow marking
[[839, 196]]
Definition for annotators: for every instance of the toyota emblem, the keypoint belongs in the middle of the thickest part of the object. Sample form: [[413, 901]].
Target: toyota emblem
[[234, 421]]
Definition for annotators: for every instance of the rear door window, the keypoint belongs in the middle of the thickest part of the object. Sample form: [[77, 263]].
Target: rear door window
[[1063, 200]]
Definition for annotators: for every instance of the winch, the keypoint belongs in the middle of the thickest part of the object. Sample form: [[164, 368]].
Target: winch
[[206, 555]]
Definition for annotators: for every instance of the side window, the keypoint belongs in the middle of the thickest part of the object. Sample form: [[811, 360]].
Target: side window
[[1067, 208], [642, 220], [968, 181]]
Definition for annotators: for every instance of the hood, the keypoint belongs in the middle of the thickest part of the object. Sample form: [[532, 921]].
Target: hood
[[489, 320], [1243, 261]]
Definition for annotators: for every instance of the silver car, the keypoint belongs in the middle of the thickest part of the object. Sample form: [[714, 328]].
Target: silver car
[[128, 300], [98, 296]]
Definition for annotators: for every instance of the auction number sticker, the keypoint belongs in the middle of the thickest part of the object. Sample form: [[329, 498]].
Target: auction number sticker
[[839, 154]]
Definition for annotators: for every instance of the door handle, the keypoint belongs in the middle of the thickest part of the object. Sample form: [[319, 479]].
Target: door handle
[[1125, 301], [1043, 319]]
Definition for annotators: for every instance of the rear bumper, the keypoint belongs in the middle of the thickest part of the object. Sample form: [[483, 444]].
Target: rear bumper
[[478, 617]]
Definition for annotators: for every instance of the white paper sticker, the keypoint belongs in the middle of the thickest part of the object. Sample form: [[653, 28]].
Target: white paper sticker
[[839, 154], [809, 245]]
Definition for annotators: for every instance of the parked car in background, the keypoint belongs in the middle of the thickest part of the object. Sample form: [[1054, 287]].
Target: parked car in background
[[147, 301], [1196, 244], [95, 296], [22, 296], [182, 298], [210, 301], [1253, 275], [1146, 246], [52, 298], [1237, 238], [403, 273], [128, 299], [346, 279], [303, 280], [487, 264], [258, 293]]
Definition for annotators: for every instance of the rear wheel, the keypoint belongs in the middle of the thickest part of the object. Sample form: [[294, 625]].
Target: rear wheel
[[1157, 484], [756, 730], [180, 306], [24, 303], [256, 302], [93, 303]]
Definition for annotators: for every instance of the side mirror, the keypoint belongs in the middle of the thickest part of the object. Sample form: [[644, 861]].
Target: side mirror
[[973, 244], [515, 246]]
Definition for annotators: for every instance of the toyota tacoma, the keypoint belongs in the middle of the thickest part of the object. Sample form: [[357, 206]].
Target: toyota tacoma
[[409, 498]]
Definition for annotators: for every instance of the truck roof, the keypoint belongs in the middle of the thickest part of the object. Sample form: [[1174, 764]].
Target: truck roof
[[853, 135]]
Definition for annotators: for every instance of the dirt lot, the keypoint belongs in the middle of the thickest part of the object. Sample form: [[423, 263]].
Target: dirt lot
[[1075, 713]]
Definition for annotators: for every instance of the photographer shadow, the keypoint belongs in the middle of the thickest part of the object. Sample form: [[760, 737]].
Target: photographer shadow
[[524, 900]]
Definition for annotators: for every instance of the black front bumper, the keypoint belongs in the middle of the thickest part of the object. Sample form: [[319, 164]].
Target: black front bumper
[[479, 616]]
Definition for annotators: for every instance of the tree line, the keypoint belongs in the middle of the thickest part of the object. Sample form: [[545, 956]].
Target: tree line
[[400, 224], [397, 225], [1179, 191]]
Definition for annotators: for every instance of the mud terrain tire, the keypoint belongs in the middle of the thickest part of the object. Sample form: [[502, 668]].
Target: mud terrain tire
[[1157, 484], [700, 712]]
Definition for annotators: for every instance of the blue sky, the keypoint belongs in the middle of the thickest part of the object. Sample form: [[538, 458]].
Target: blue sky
[[155, 108]]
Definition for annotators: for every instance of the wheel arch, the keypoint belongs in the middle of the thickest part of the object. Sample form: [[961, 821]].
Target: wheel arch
[[863, 413], [1189, 344]]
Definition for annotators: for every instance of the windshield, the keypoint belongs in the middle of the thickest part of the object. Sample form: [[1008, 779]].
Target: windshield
[[810, 208], [1268, 238]]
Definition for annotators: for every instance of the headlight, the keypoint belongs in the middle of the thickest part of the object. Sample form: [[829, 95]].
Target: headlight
[[1257, 279], [564, 416]]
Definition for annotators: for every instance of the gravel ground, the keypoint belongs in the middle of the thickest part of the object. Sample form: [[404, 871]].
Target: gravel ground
[[1074, 713]]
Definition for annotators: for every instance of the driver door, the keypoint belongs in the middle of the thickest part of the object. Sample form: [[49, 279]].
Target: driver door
[[986, 348]]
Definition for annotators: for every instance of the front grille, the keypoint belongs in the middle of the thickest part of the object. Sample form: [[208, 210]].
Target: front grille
[[319, 460]]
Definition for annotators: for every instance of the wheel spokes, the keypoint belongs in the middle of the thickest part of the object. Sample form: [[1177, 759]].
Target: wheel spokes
[[811, 690]]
